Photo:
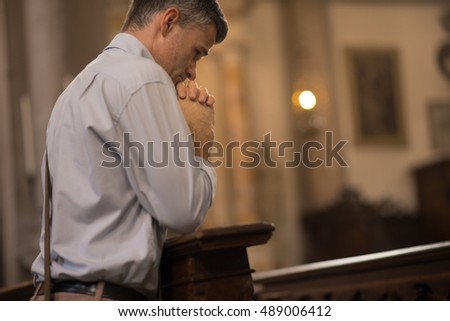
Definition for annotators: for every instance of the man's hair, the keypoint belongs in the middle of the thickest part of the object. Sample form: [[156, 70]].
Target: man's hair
[[192, 13]]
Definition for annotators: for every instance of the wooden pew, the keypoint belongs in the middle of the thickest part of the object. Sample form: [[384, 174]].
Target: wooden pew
[[211, 264], [415, 273]]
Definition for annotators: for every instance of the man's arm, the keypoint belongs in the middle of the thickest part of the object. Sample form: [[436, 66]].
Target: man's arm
[[177, 193]]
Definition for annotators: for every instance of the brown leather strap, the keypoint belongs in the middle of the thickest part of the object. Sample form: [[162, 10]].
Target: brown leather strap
[[47, 257], [99, 291], [37, 291]]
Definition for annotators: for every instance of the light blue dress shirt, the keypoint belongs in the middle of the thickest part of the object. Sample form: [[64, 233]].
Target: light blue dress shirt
[[119, 180]]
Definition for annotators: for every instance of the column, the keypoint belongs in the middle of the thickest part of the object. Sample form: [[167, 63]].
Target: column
[[8, 210], [243, 182], [224, 75], [44, 27], [306, 24]]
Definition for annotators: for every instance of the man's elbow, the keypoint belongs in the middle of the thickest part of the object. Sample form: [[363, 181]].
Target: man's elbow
[[188, 222]]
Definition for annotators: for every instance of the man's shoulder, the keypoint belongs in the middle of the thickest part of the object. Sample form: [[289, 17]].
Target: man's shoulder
[[130, 71]]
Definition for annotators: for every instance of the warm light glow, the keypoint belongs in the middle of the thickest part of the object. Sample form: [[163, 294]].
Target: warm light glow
[[295, 99], [307, 100]]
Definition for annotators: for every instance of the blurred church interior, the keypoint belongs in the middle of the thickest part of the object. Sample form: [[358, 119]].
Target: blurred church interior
[[375, 170]]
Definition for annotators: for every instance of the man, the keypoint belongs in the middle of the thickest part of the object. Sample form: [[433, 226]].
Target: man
[[121, 157]]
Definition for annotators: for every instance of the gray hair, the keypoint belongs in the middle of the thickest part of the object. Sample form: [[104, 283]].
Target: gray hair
[[192, 13]]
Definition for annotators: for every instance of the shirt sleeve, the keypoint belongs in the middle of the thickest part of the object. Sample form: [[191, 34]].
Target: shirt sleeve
[[173, 185]]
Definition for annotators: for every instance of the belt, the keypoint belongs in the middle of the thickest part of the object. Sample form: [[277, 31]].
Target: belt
[[111, 291]]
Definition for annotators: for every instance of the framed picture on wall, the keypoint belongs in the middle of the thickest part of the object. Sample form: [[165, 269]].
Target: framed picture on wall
[[439, 115], [376, 96]]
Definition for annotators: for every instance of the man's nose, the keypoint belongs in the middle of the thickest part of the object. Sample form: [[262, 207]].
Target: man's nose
[[191, 72]]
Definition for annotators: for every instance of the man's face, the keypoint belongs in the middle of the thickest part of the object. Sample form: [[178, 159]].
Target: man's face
[[184, 48]]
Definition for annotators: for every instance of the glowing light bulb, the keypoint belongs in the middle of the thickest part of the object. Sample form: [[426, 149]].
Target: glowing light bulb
[[307, 100]]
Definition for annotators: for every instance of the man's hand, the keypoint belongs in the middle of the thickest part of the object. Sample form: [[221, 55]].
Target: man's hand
[[195, 93], [198, 109]]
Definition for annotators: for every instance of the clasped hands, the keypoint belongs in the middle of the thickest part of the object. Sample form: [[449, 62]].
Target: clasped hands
[[198, 109]]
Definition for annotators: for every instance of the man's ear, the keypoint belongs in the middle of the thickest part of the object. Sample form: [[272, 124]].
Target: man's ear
[[169, 19]]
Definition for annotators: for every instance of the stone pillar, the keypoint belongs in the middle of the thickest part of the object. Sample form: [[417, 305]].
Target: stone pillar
[[252, 100], [243, 182], [268, 92], [309, 55], [224, 76], [86, 31], [8, 210], [44, 27]]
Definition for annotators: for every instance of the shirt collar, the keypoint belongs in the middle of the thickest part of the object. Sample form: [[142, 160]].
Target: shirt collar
[[130, 44]]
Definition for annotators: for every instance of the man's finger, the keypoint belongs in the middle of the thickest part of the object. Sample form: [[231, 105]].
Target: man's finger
[[193, 90], [181, 90], [203, 96], [210, 101]]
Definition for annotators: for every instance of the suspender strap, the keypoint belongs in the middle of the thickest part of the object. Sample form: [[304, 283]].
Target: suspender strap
[[47, 256]]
